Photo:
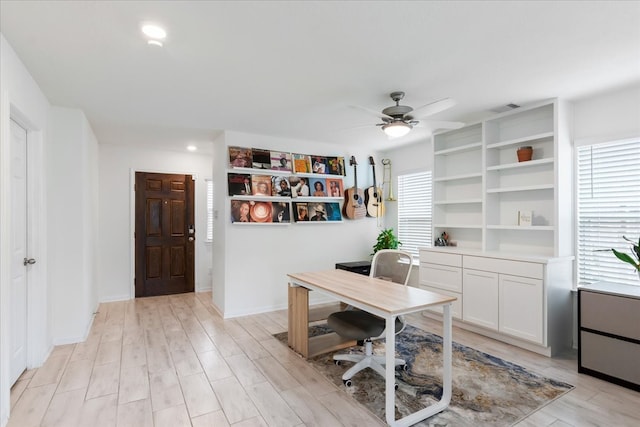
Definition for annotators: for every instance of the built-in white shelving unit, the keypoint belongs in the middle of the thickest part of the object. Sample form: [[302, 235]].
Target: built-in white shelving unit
[[480, 186]]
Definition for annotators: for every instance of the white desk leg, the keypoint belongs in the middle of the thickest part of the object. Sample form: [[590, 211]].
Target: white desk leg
[[390, 370], [446, 376]]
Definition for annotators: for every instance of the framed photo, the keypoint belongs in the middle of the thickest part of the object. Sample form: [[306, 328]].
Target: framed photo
[[318, 187], [301, 212], [301, 163], [335, 187], [280, 161], [280, 186], [239, 184], [261, 185], [240, 157], [261, 159]]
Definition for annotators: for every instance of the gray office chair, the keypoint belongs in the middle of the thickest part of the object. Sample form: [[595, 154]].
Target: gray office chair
[[387, 264]]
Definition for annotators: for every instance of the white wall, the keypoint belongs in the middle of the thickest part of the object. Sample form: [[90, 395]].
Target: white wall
[[116, 206], [21, 98], [71, 184], [258, 257], [608, 117]]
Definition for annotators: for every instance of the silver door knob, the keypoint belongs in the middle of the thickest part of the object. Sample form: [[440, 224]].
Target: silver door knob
[[29, 261], [191, 239]]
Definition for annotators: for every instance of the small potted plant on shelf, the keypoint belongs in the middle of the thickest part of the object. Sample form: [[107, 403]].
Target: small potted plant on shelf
[[386, 240], [634, 258]]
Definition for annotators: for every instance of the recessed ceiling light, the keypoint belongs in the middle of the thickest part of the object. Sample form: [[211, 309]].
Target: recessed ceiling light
[[192, 147], [154, 32]]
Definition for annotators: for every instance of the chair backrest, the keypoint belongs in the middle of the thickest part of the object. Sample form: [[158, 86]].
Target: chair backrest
[[392, 264]]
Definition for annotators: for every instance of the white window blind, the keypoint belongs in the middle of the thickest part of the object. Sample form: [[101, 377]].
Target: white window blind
[[209, 210], [414, 211], [608, 208]]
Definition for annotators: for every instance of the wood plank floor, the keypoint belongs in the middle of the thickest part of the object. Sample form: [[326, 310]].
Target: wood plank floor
[[172, 361]]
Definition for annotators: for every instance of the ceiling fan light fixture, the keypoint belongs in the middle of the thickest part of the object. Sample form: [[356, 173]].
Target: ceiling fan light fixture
[[396, 129]]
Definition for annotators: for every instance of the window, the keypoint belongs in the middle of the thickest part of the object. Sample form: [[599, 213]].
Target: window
[[414, 211], [209, 210], [608, 208]]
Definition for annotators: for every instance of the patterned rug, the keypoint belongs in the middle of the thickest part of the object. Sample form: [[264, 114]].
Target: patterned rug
[[487, 391]]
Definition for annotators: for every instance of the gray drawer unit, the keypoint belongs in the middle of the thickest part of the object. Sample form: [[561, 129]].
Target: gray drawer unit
[[609, 333]]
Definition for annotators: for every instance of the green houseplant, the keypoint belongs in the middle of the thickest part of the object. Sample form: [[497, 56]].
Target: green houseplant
[[634, 258], [386, 240]]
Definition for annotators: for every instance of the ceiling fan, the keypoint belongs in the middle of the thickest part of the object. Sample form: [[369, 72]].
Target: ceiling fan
[[398, 120]]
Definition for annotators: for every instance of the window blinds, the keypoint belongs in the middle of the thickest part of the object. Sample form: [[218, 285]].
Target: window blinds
[[209, 210], [414, 211], [608, 208]]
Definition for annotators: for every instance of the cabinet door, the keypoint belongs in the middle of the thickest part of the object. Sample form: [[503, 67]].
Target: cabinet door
[[441, 276], [480, 298], [521, 307]]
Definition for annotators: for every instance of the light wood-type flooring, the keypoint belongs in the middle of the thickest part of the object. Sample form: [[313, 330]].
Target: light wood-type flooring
[[172, 361]]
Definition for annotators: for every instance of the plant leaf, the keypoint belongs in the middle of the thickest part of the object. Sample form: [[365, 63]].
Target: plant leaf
[[626, 258]]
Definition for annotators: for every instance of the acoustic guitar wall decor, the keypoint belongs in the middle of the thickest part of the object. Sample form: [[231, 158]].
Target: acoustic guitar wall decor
[[373, 195], [354, 207]]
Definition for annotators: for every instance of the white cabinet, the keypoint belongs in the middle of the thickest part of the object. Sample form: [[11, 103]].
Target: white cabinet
[[521, 299], [480, 298], [443, 275], [480, 186], [521, 307]]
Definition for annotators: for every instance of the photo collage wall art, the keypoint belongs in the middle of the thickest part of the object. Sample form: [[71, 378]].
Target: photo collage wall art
[[305, 176]]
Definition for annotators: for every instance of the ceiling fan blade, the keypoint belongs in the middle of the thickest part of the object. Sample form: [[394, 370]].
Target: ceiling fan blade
[[375, 113], [432, 108], [440, 124]]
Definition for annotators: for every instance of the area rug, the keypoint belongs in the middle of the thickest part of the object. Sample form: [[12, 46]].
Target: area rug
[[487, 391]]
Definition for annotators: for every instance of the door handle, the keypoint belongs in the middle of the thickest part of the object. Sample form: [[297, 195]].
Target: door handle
[[28, 261]]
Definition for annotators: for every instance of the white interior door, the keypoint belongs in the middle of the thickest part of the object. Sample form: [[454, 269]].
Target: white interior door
[[18, 310]]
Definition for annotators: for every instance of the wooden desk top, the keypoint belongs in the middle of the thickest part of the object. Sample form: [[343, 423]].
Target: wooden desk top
[[383, 295]]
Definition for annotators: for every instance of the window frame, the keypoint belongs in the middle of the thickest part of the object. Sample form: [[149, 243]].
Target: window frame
[[428, 205]]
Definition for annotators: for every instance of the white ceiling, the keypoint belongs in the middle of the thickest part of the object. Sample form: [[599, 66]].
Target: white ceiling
[[292, 68]]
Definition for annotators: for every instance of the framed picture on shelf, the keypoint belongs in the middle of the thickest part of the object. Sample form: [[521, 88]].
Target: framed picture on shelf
[[301, 211], [261, 185], [281, 212], [280, 161], [333, 211], [241, 211], [334, 187], [240, 157], [319, 164], [336, 165], [318, 187], [261, 158], [280, 186], [317, 211], [239, 184], [261, 212], [301, 163], [299, 186]]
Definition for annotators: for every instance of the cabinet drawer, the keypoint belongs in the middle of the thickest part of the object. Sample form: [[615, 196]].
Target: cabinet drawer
[[441, 276], [610, 356], [456, 306], [609, 313], [430, 257], [505, 266]]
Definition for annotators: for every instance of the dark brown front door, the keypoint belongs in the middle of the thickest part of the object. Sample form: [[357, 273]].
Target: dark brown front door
[[164, 234]]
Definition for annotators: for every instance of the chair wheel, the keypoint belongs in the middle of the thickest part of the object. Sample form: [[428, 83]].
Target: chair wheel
[[405, 367], [347, 383], [337, 362], [395, 386]]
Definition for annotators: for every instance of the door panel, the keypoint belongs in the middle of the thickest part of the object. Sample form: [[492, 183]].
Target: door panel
[[19, 251], [164, 250]]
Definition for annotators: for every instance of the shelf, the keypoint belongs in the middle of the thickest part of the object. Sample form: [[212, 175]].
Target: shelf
[[314, 199], [469, 226], [243, 224], [456, 150], [458, 177], [261, 198], [522, 228], [252, 171], [457, 202], [530, 163], [523, 188], [518, 141]]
